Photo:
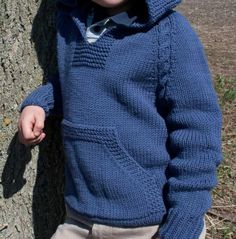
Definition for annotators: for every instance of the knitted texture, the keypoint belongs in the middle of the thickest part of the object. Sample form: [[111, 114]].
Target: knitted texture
[[141, 122], [47, 96]]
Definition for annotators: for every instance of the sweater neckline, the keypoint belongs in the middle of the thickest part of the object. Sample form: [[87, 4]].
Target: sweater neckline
[[149, 11]]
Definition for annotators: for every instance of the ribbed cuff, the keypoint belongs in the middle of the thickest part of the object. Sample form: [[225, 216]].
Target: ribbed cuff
[[41, 96], [29, 102], [181, 225]]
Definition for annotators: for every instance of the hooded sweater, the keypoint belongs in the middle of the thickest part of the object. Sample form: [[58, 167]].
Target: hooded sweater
[[141, 123]]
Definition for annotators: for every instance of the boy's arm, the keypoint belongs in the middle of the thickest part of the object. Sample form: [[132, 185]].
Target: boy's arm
[[194, 124], [47, 96]]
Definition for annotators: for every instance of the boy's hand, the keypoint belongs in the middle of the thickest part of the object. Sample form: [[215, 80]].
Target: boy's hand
[[31, 124]]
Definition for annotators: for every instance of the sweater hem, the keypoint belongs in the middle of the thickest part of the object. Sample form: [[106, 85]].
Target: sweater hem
[[153, 218]]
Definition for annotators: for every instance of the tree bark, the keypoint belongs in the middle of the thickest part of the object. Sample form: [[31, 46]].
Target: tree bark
[[31, 189]]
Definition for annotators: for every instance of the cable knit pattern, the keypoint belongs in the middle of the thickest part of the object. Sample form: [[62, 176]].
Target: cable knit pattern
[[141, 122], [194, 123]]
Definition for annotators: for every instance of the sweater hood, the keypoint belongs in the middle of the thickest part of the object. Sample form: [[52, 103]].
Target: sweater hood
[[154, 9]]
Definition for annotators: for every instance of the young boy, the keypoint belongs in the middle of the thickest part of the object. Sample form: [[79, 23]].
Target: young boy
[[141, 122]]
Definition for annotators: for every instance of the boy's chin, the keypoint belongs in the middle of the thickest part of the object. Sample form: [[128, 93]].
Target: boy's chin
[[110, 3]]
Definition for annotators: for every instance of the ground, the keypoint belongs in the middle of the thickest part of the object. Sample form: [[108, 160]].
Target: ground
[[214, 21]]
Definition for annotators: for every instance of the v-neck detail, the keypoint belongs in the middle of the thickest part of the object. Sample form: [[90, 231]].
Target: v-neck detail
[[93, 55]]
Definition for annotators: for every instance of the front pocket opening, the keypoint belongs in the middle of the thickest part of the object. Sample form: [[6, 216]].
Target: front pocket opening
[[110, 154]]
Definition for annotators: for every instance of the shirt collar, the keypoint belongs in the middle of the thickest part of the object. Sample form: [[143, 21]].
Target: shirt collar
[[125, 18]]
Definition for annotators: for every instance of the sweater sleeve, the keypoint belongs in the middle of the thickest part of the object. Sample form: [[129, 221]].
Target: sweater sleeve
[[47, 96], [194, 122]]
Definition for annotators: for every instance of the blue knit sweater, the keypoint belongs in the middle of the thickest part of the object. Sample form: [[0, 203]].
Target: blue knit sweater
[[141, 122]]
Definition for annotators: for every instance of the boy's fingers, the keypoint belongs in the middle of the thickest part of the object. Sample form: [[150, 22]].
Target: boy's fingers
[[30, 126], [27, 130], [34, 141], [39, 125], [37, 140], [43, 136]]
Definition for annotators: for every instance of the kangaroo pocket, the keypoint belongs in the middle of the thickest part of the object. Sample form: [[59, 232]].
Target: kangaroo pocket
[[105, 181]]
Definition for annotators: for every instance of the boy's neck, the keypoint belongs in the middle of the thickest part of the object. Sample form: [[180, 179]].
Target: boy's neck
[[116, 10]]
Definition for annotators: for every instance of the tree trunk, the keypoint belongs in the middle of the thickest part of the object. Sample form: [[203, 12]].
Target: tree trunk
[[31, 189]]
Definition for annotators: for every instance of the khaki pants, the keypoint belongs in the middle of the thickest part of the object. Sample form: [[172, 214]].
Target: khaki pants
[[76, 227]]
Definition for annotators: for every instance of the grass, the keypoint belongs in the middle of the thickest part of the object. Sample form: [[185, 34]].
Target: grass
[[221, 219], [226, 89]]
